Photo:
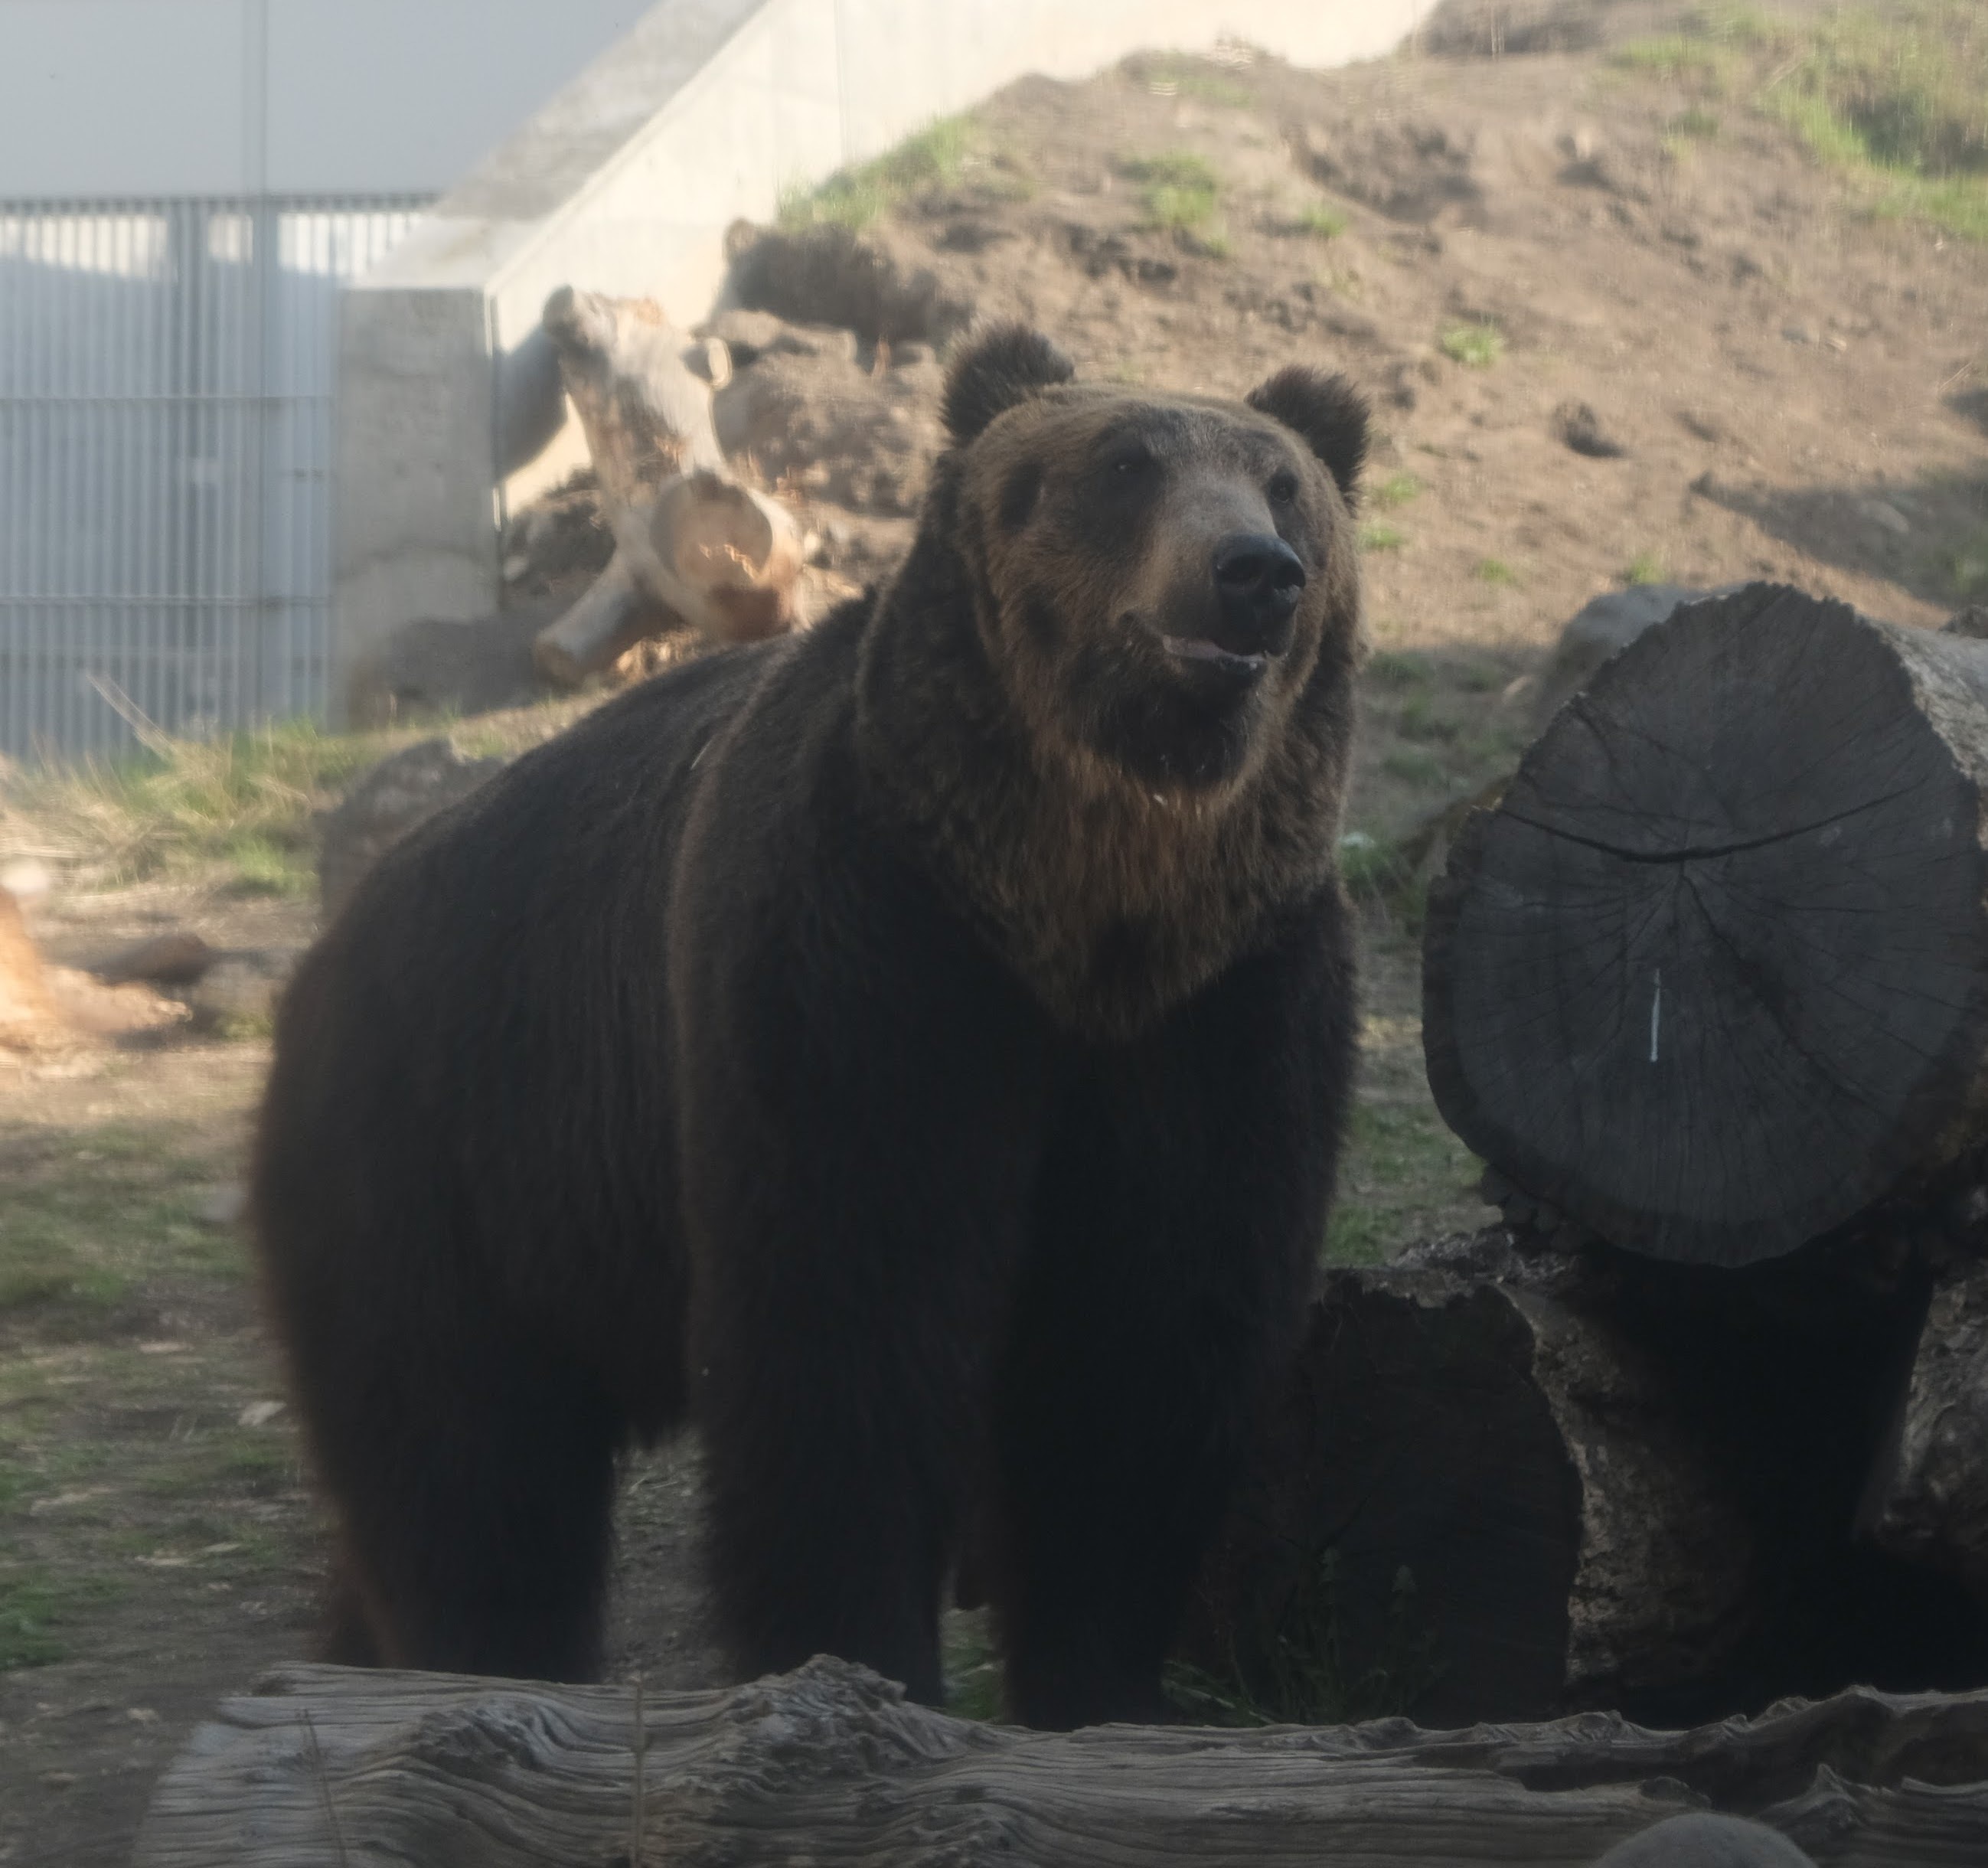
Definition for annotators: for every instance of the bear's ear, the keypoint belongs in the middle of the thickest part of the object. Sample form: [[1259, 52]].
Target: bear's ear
[[1005, 366], [1327, 411]]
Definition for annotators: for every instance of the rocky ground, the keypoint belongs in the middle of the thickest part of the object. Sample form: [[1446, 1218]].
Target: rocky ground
[[1619, 326]]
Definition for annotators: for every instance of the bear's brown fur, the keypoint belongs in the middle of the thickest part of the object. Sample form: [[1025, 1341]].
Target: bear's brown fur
[[915, 1051]]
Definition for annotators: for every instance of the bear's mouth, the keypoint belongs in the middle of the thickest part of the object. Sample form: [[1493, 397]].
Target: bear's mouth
[[1199, 648]]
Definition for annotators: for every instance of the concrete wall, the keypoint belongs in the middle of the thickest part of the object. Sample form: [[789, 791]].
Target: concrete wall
[[625, 184]]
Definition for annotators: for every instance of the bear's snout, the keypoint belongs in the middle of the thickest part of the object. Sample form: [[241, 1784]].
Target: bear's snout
[[1257, 580]]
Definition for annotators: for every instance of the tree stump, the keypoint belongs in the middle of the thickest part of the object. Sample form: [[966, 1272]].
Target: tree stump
[[1712, 978], [329, 1767]]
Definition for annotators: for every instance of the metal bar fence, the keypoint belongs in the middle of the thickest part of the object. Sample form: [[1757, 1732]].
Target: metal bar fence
[[167, 380]]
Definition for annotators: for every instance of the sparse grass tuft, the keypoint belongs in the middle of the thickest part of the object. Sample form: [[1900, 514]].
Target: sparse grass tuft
[[36, 1604], [1644, 568], [972, 1667], [1397, 490], [1895, 98], [857, 197], [1967, 567], [1495, 572], [1476, 346], [1412, 764], [1298, 1674], [1175, 75], [242, 803], [1178, 191], [1321, 220], [1697, 124], [1399, 668], [1375, 535]]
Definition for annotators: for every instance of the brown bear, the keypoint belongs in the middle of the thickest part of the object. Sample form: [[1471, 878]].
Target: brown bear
[[914, 1052]]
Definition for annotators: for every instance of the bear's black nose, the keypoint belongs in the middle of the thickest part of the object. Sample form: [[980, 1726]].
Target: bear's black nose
[[1257, 579]]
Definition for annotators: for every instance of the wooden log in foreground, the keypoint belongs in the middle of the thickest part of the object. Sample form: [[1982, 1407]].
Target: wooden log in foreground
[[1713, 977], [329, 1767]]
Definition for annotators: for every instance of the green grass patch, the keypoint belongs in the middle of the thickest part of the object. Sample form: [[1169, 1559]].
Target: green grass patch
[[1178, 191], [1377, 535], [1404, 1176], [1495, 572], [1320, 220], [1696, 124], [80, 1225], [1894, 98], [1400, 668], [1644, 568], [242, 803], [1395, 491], [935, 156], [37, 1605], [1414, 764], [1967, 567], [1476, 346], [970, 1666], [1420, 719]]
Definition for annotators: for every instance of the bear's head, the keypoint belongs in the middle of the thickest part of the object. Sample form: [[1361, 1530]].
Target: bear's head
[[1159, 577]]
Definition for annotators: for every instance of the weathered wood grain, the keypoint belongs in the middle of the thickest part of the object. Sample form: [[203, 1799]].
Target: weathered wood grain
[[329, 1768]]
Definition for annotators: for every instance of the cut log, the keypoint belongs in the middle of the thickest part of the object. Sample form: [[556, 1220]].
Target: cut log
[[641, 390], [693, 549], [1928, 1501], [1712, 978], [329, 1768], [1480, 1500], [706, 553], [1504, 1481]]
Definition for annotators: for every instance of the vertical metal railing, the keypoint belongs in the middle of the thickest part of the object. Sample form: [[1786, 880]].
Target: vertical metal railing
[[167, 378]]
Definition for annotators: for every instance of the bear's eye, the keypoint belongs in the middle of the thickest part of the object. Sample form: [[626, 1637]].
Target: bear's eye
[[1128, 466], [1283, 488]]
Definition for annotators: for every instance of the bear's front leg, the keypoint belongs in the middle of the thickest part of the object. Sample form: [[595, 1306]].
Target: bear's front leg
[[1182, 1211], [862, 1094]]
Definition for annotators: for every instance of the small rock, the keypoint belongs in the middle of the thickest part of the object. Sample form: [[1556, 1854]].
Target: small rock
[[1598, 631], [1702, 1839], [180, 958], [166, 1346], [26, 879], [222, 1207], [1881, 513], [1797, 334], [141, 1715], [59, 1780], [239, 993], [259, 1414], [1577, 424]]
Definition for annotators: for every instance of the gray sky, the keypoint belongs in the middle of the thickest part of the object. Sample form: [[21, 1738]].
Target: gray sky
[[112, 97]]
